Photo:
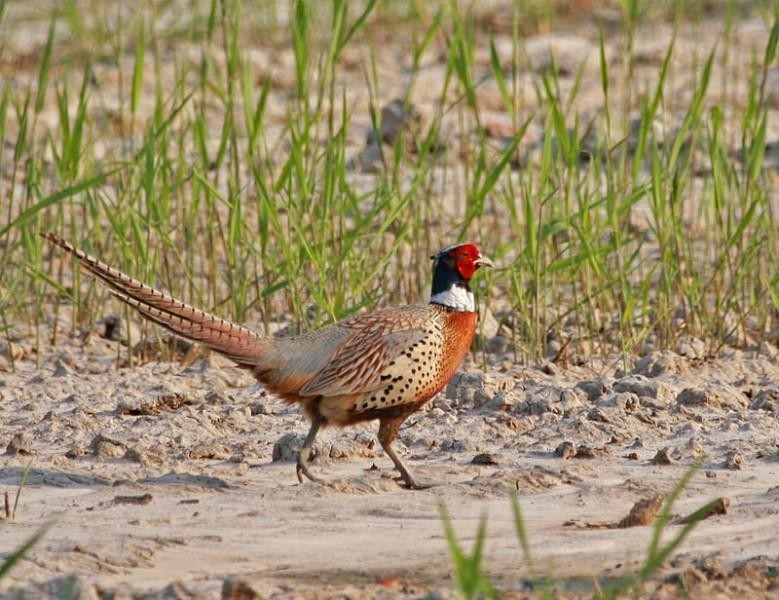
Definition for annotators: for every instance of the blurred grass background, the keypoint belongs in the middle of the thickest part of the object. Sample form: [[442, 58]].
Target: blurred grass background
[[623, 181]]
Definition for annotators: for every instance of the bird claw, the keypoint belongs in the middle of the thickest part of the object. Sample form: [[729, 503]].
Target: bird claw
[[412, 484], [302, 471]]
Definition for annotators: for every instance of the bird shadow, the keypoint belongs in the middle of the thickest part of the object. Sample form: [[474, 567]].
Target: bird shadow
[[67, 479]]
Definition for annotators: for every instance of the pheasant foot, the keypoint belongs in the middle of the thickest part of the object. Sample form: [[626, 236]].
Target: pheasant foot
[[413, 484], [302, 470], [304, 453], [405, 475]]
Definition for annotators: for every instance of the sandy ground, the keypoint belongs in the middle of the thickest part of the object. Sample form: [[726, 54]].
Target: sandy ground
[[160, 481]]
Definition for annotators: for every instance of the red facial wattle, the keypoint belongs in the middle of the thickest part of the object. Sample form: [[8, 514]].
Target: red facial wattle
[[465, 259], [466, 267]]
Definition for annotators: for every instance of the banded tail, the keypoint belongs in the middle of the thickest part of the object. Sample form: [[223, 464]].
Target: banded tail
[[239, 344]]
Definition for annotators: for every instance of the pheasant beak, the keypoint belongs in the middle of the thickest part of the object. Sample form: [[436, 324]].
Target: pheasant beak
[[483, 261]]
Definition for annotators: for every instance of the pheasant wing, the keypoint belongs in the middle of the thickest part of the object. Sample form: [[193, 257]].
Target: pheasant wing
[[358, 363]]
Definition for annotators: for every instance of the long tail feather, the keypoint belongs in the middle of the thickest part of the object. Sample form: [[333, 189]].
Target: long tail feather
[[240, 344]]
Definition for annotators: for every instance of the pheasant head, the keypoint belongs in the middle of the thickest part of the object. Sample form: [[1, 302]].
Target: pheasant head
[[453, 268]]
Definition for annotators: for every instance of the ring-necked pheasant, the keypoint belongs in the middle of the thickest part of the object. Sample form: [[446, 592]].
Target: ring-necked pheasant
[[380, 365]]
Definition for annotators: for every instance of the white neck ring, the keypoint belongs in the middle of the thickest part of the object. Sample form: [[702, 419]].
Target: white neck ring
[[456, 297]]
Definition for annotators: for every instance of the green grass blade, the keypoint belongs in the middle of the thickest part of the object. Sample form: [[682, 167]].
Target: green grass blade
[[22, 481], [138, 66], [73, 190], [22, 550], [358, 23], [43, 72]]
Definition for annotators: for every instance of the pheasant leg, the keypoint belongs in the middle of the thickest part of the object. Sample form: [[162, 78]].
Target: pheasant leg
[[405, 475], [304, 452], [388, 431]]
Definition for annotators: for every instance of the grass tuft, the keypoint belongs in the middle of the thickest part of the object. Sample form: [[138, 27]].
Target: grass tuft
[[214, 156], [473, 581]]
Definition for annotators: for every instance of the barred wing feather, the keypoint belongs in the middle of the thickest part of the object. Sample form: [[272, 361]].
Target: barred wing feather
[[358, 364]]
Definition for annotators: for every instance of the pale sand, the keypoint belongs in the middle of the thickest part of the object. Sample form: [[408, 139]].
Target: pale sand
[[239, 514]]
